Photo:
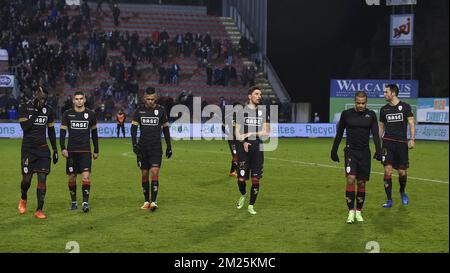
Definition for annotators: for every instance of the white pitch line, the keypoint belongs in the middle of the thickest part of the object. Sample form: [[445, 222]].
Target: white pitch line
[[320, 165]]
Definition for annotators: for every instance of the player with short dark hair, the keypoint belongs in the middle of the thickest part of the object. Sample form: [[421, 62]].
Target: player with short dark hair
[[252, 124], [358, 122], [35, 116], [394, 120], [81, 123], [151, 118]]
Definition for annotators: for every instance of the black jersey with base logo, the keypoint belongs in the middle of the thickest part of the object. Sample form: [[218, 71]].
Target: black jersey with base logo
[[358, 126], [36, 136], [252, 120], [150, 122], [395, 119], [79, 125]]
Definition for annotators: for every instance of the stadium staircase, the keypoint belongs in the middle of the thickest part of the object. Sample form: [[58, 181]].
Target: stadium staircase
[[145, 20]]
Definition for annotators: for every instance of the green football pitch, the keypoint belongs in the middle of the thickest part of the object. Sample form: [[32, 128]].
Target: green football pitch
[[301, 205]]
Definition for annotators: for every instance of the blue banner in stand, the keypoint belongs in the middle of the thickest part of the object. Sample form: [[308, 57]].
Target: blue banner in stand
[[213, 131], [346, 88]]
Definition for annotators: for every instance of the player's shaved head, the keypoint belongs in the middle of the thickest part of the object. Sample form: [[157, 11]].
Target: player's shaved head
[[360, 94]]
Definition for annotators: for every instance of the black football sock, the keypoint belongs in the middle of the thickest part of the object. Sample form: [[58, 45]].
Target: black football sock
[[24, 186], [254, 191], [40, 193], [350, 196], [388, 186], [146, 188], [86, 188], [402, 180], [242, 187], [360, 197], [155, 186], [73, 190]]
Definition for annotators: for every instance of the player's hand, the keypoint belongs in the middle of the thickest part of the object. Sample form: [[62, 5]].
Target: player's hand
[[334, 156], [55, 156], [377, 156], [411, 144], [247, 146], [168, 151], [95, 155], [37, 104], [65, 153]]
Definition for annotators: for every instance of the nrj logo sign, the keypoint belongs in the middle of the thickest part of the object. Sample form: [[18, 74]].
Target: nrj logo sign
[[235, 121]]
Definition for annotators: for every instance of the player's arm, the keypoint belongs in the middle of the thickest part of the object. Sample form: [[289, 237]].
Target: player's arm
[[62, 135], [412, 133], [338, 138], [376, 137], [134, 128], [382, 122], [166, 133], [94, 135], [52, 137], [26, 122], [381, 128]]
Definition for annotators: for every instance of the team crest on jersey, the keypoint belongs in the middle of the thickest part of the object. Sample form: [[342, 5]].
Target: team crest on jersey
[[259, 113], [367, 116], [44, 110], [86, 115], [156, 112], [400, 108]]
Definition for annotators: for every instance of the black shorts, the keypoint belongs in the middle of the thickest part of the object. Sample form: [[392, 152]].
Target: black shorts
[[150, 157], [35, 160], [395, 153], [250, 163], [78, 162], [357, 163]]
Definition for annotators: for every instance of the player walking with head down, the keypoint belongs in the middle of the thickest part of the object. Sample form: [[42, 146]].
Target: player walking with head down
[[151, 118], [81, 124], [394, 120], [358, 122], [35, 117]]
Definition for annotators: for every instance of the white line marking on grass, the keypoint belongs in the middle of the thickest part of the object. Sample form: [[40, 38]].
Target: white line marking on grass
[[319, 165]]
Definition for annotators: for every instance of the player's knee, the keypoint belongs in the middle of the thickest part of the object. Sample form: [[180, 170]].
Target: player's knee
[[27, 178], [351, 179], [401, 172], [255, 181], [42, 177], [388, 170], [361, 185], [86, 181]]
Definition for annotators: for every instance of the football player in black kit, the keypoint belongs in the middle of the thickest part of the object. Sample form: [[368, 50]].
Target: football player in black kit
[[358, 122], [394, 120], [81, 123], [35, 118], [151, 119], [252, 124]]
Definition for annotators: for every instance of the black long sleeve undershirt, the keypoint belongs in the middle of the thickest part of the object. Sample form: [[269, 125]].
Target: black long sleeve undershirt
[[95, 140], [52, 137], [62, 139], [166, 133], [134, 134]]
